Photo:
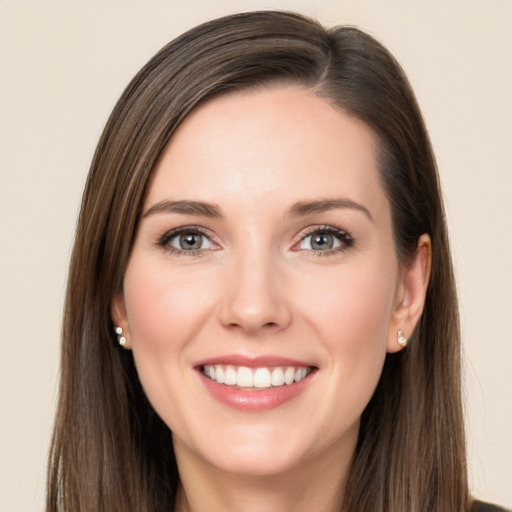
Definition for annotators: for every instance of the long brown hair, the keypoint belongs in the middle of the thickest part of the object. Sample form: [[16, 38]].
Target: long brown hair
[[110, 451]]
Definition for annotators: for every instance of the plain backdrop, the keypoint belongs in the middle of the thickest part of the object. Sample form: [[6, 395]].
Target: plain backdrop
[[63, 64]]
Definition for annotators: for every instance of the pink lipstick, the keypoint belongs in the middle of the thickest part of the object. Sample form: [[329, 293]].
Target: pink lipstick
[[254, 383]]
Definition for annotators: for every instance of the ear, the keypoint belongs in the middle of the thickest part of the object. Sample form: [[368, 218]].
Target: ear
[[411, 293], [120, 319]]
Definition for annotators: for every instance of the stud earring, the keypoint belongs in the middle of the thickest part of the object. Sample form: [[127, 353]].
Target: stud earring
[[120, 338], [402, 340]]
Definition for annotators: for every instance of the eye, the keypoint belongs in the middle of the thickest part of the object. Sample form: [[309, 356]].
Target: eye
[[186, 240], [326, 239], [190, 242]]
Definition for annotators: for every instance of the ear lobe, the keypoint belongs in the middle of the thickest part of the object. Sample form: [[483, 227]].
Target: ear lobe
[[120, 320], [411, 294]]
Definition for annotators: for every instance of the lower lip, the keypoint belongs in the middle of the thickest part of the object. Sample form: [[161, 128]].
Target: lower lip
[[250, 399]]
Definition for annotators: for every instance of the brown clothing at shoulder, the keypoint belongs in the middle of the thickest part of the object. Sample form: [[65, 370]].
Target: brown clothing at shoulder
[[480, 506]]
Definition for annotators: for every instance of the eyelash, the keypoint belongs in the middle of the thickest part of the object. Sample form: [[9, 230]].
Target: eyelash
[[345, 239], [165, 240]]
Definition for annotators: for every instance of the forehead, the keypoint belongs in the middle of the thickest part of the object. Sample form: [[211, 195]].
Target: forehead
[[280, 144]]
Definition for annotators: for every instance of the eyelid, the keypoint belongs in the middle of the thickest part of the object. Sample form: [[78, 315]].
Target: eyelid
[[164, 240], [345, 238]]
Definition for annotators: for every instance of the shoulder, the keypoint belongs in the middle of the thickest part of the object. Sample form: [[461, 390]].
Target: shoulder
[[480, 506]]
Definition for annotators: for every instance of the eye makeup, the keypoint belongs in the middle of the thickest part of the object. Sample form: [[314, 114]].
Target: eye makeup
[[187, 241], [324, 240]]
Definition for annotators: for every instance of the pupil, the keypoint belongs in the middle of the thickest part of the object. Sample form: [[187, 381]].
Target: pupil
[[190, 241], [323, 242]]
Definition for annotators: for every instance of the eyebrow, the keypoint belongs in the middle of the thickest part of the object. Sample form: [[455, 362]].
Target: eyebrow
[[299, 209], [185, 207], [303, 208]]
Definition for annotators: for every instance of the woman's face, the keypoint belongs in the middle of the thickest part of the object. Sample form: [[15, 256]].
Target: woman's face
[[265, 259]]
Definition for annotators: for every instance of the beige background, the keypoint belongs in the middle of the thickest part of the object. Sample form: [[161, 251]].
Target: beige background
[[64, 63]]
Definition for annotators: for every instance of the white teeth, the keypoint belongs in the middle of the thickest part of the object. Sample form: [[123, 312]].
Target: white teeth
[[259, 378], [262, 378], [244, 377], [277, 377], [230, 376], [300, 373], [289, 376], [219, 374]]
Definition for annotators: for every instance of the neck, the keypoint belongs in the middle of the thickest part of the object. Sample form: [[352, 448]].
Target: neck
[[318, 484]]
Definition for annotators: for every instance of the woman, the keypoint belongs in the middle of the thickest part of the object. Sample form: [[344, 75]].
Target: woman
[[261, 232]]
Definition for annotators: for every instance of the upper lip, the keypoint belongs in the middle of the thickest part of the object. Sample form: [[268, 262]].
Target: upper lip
[[253, 362]]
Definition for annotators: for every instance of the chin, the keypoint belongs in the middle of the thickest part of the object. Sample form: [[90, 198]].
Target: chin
[[257, 463], [253, 450]]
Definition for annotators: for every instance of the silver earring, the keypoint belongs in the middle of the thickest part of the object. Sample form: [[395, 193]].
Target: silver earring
[[120, 338], [402, 340]]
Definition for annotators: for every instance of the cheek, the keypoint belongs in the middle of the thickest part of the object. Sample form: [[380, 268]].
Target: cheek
[[165, 311], [164, 308], [351, 319], [352, 308]]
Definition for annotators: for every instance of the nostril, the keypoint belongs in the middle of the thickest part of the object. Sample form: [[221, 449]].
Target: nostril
[[252, 310]]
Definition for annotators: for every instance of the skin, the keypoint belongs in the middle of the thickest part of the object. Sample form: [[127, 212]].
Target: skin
[[258, 287]]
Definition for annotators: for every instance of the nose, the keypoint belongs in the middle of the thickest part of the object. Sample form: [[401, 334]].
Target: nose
[[255, 299]]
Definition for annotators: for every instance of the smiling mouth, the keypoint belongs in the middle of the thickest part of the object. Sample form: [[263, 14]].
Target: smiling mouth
[[243, 377]]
